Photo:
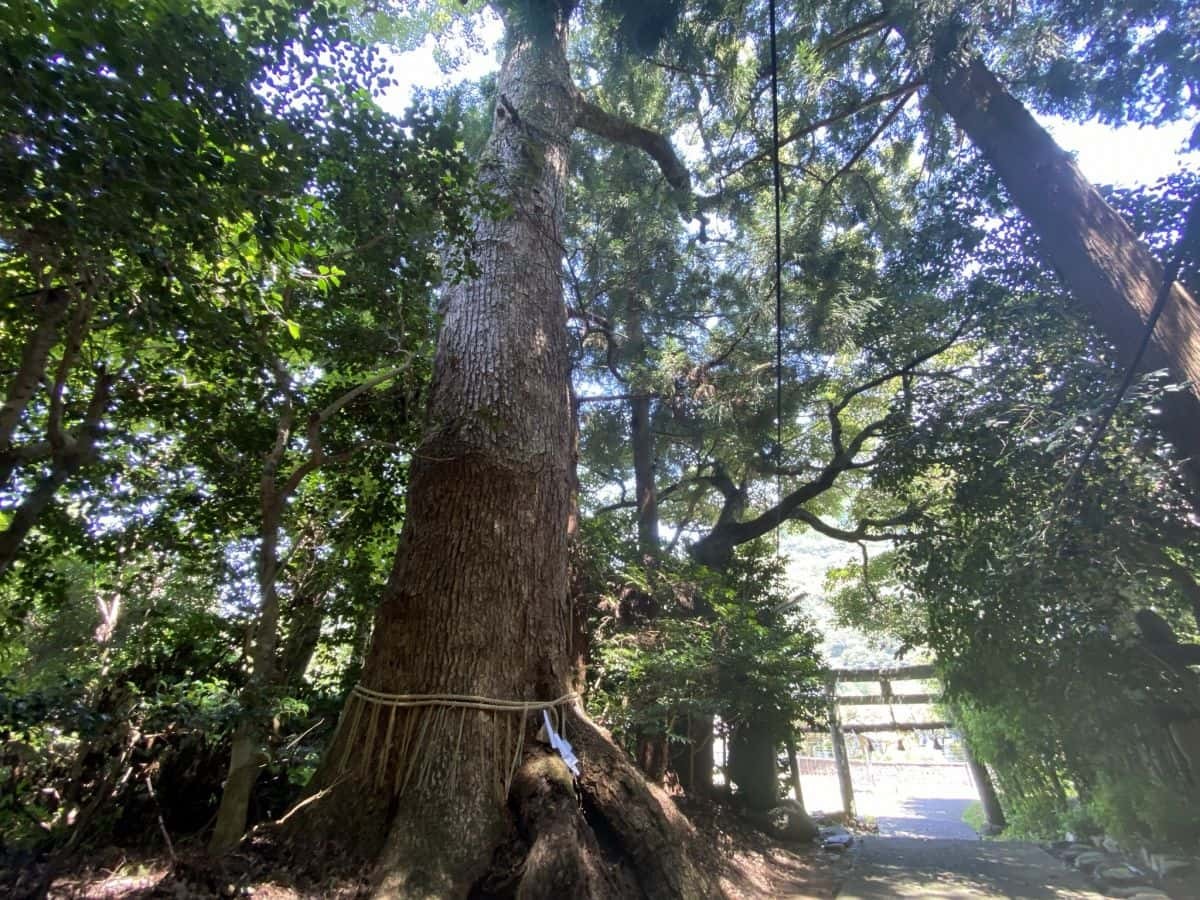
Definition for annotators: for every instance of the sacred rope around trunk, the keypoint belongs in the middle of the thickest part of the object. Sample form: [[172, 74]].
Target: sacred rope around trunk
[[405, 719]]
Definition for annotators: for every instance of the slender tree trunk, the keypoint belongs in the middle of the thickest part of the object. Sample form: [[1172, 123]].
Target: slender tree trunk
[[477, 603], [652, 746], [692, 760], [641, 437], [992, 811], [580, 638], [794, 771], [841, 759], [1100, 259], [248, 754]]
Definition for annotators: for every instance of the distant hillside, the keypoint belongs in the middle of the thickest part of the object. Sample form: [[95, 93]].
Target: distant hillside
[[809, 556]]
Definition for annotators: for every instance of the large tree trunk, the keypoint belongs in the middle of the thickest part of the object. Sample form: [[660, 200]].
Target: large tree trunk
[[477, 603], [1108, 270], [753, 760]]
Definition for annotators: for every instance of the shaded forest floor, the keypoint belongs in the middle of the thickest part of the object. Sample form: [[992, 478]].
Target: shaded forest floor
[[747, 863]]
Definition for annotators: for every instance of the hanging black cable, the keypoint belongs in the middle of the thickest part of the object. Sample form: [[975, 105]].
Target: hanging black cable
[[778, 178]]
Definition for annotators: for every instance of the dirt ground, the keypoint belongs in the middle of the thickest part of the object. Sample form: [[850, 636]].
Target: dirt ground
[[750, 864], [747, 863]]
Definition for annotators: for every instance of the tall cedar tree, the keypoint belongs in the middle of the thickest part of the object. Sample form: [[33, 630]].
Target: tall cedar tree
[[477, 601]]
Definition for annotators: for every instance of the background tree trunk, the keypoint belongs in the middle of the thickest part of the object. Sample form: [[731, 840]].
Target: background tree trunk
[[794, 771], [752, 766], [306, 615], [641, 437], [652, 750], [992, 811], [1100, 259], [692, 760]]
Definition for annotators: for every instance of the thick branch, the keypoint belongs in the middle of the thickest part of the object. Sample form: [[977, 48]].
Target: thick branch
[[65, 464], [855, 32], [865, 530], [70, 356], [614, 128], [735, 495], [714, 548], [32, 367]]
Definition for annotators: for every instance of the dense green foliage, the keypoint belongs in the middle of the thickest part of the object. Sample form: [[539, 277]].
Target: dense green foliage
[[224, 244], [219, 266], [676, 641], [1030, 587]]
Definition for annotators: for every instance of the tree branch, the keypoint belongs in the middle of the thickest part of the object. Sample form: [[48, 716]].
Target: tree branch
[[855, 32], [832, 119], [613, 398], [880, 129], [863, 531], [50, 308], [331, 410], [65, 464], [614, 128], [70, 356], [612, 345]]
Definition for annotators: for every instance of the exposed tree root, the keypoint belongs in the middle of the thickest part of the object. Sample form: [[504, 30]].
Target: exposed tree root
[[619, 836], [652, 833], [607, 834]]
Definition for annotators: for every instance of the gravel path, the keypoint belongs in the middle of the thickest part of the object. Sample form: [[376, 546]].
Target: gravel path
[[922, 817], [941, 869]]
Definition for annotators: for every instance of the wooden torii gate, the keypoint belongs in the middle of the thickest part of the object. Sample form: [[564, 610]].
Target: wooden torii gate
[[887, 697]]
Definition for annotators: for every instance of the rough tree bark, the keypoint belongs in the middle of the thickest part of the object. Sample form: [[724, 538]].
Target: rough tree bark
[[1108, 270], [477, 603]]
